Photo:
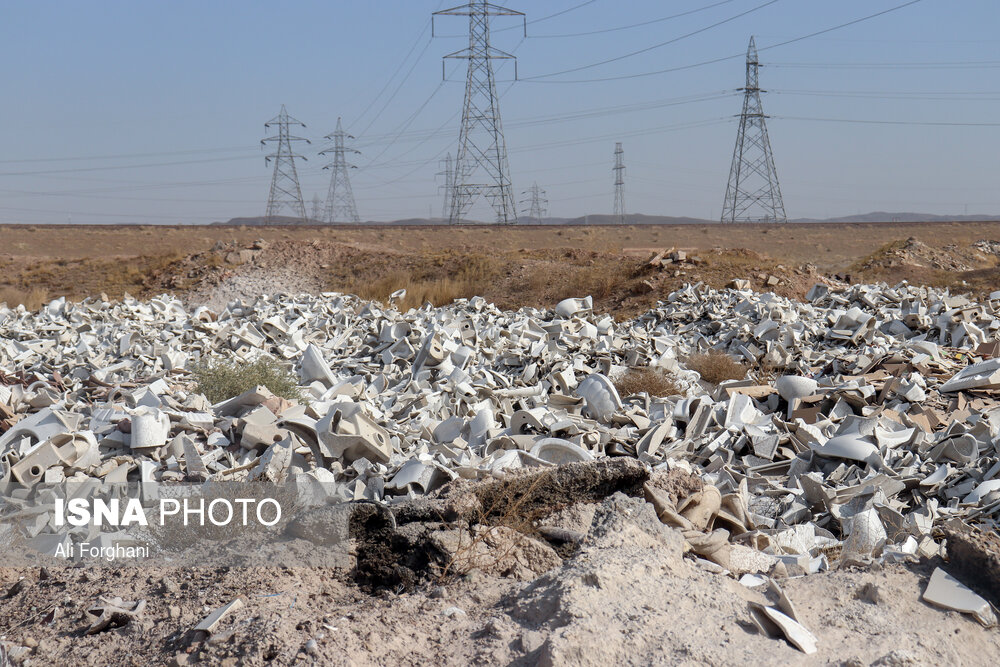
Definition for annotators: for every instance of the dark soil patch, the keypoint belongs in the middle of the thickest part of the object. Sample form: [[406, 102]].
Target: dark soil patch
[[975, 558]]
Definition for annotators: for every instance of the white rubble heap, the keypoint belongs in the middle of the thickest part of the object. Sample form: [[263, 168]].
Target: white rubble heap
[[877, 432]]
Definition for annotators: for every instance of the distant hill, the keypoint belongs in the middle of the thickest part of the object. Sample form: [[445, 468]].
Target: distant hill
[[640, 219], [882, 216]]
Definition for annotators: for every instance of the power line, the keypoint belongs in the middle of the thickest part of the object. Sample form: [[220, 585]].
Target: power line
[[635, 25], [125, 166], [725, 58], [929, 97], [573, 116], [891, 122], [655, 46], [953, 64], [129, 156], [396, 91], [399, 67]]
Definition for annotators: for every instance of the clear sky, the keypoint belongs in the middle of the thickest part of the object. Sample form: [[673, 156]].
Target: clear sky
[[124, 111]]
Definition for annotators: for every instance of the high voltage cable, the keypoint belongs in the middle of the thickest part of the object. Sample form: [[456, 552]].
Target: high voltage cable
[[889, 95], [421, 108], [656, 46], [959, 64], [406, 77], [891, 122], [127, 156], [535, 79], [427, 25], [586, 114], [439, 153], [635, 25], [126, 166], [544, 18]]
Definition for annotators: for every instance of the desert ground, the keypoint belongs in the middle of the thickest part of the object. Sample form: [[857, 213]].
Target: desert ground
[[510, 266]]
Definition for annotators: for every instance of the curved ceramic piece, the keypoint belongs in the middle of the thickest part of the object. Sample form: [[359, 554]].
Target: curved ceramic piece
[[149, 429], [960, 449], [937, 476], [448, 430], [887, 438], [850, 447], [559, 451], [602, 399], [984, 489], [570, 307], [649, 445], [791, 387], [314, 367]]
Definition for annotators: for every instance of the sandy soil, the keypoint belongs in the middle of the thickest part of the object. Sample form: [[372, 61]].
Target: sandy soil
[[512, 267], [628, 596]]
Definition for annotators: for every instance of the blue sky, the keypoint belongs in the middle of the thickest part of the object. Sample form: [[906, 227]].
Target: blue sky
[[153, 111]]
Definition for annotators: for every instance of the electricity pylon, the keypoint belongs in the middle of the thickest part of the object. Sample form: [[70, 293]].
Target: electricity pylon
[[316, 209], [619, 170], [753, 193], [481, 164], [448, 171], [285, 190], [339, 198], [536, 202]]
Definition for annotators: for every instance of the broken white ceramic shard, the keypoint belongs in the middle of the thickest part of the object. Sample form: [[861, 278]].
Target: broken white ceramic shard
[[571, 307], [946, 591], [558, 451], [849, 446], [601, 397], [937, 476], [984, 489], [985, 374], [865, 533], [791, 387], [796, 633], [149, 429], [347, 432], [313, 367]]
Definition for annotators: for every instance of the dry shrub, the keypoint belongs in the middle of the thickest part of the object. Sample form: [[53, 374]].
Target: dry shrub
[[715, 366], [510, 508], [219, 381], [649, 380], [31, 299]]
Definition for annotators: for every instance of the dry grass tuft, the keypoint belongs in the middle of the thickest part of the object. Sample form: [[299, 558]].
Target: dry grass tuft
[[649, 380], [31, 299], [439, 281], [596, 281], [715, 367]]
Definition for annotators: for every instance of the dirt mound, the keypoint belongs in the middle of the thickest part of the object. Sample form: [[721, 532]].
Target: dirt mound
[[911, 252], [628, 595]]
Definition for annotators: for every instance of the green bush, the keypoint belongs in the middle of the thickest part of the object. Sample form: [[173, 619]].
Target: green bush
[[222, 380]]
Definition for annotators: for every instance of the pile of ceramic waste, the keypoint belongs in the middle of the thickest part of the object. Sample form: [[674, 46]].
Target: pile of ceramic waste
[[869, 422]]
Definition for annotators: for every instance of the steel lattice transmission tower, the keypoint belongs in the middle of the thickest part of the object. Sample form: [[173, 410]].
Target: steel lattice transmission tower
[[753, 193], [481, 164], [619, 170], [285, 190], [536, 202], [448, 171], [316, 209], [340, 198]]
